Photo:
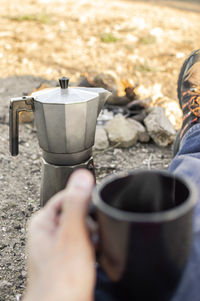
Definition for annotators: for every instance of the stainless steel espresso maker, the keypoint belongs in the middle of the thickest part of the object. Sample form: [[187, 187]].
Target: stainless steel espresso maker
[[65, 119]]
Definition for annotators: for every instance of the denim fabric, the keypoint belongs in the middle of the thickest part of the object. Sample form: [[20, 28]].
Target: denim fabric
[[186, 164]]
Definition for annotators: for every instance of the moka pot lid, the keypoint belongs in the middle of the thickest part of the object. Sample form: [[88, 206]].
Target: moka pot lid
[[64, 94]]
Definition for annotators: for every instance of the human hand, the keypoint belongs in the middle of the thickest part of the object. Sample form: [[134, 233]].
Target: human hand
[[60, 253]]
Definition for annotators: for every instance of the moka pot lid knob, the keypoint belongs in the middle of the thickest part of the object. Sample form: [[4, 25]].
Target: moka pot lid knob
[[64, 82]]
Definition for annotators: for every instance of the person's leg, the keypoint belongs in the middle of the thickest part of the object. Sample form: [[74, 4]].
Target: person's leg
[[105, 289], [186, 163]]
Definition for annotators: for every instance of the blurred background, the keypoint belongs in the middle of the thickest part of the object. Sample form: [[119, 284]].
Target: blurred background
[[141, 41]]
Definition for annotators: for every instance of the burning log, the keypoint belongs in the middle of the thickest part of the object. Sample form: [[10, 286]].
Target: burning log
[[107, 81], [137, 105], [122, 90], [140, 116], [130, 93], [84, 81]]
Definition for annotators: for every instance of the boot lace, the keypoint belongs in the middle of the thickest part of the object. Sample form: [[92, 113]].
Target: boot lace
[[194, 101]]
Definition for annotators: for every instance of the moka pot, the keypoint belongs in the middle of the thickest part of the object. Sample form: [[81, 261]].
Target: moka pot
[[65, 119]]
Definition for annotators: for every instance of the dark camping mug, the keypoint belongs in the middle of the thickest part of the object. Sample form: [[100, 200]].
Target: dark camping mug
[[145, 232]]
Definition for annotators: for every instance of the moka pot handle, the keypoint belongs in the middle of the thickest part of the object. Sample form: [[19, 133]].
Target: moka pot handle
[[17, 105]]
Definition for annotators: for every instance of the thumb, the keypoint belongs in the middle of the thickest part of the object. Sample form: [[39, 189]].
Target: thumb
[[77, 195]]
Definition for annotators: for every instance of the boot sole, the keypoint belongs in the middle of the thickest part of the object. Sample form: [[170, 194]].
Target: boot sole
[[180, 77], [179, 83]]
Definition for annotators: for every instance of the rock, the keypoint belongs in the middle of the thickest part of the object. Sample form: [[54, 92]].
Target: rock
[[18, 297], [17, 227], [101, 139], [159, 127], [143, 136], [114, 99], [172, 111], [22, 230], [2, 246], [5, 283], [30, 207], [121, 132], [24, 273]]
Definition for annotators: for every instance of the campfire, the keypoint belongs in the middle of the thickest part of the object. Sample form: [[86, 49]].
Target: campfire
[[138, 111], [133, 100]]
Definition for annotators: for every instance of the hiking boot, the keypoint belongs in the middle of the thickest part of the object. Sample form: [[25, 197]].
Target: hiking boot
[[189, 94]]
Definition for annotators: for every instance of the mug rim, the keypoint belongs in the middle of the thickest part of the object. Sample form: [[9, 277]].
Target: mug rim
[[161, 216]]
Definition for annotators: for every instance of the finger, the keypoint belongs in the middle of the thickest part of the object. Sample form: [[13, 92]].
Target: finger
[[78, 193], [75, 206]]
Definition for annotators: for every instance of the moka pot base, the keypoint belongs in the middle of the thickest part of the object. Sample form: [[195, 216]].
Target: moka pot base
[[55, 177]]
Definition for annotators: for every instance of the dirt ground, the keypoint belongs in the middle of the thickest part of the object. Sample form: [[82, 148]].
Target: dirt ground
[[45, 39]]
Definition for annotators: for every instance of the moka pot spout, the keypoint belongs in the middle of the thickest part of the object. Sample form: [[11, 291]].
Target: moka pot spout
[[103, 96]]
